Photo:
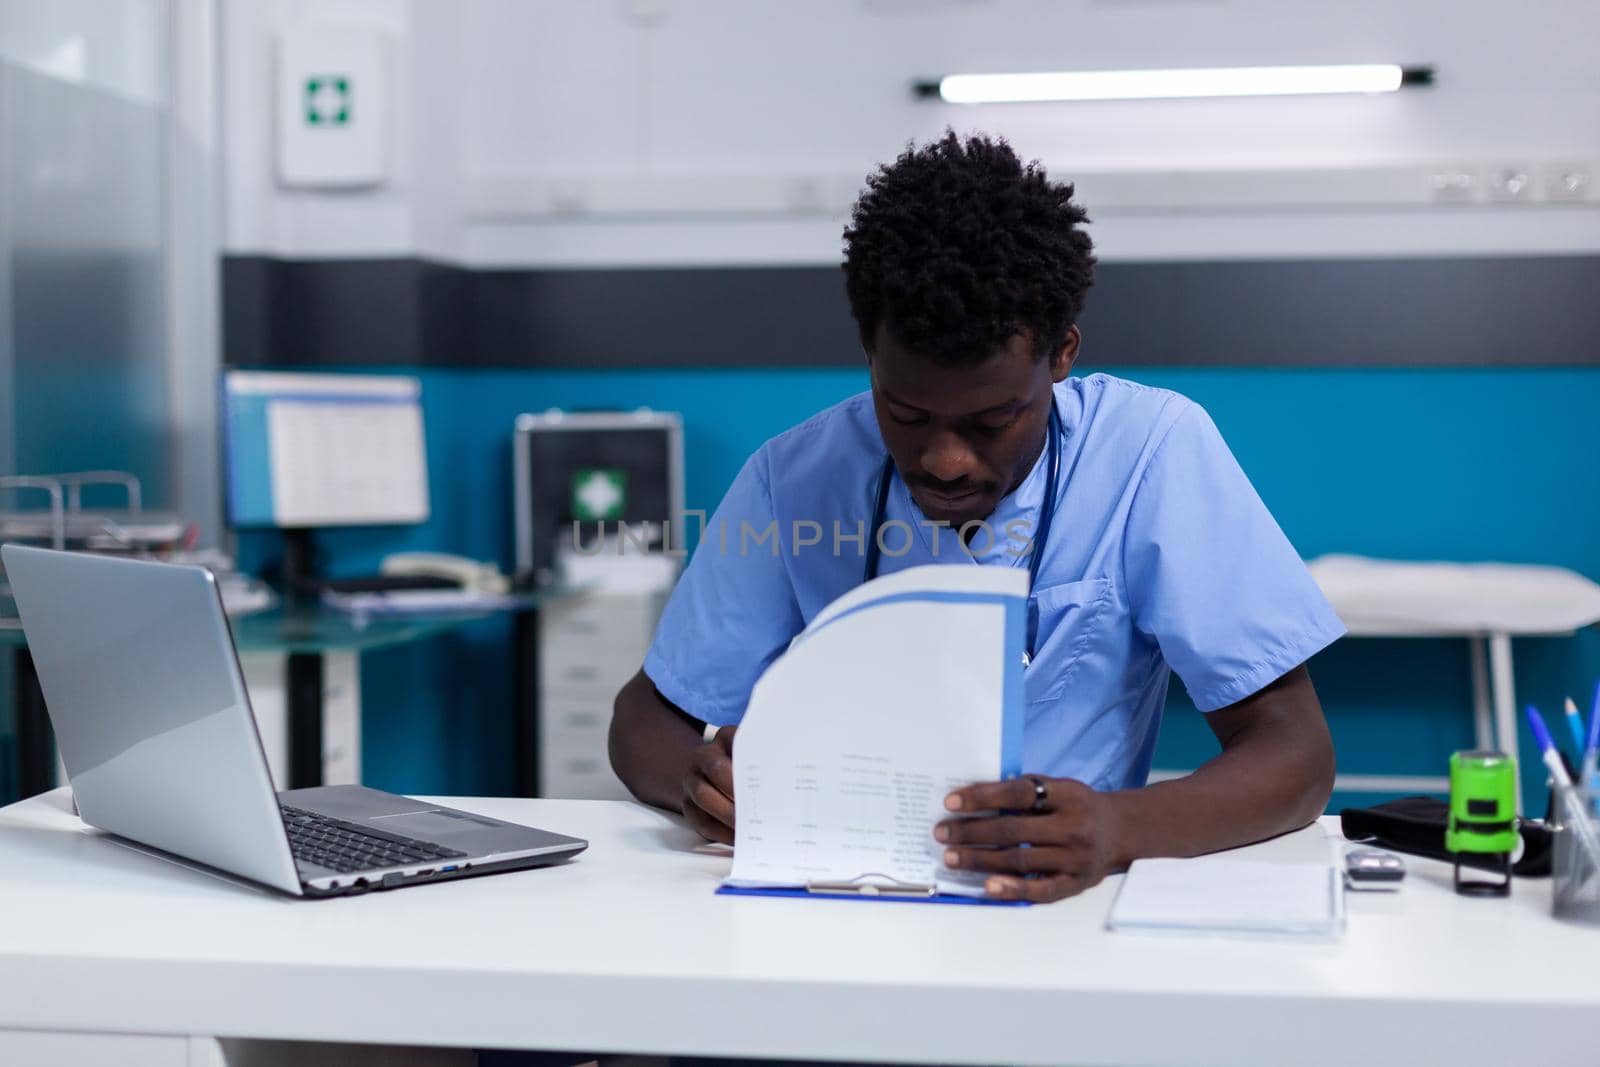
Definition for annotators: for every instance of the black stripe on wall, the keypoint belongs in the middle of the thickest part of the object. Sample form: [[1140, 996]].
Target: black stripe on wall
[[1376, 312]]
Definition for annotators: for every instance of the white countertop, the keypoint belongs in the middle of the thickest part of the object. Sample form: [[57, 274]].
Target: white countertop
[[627, 949]]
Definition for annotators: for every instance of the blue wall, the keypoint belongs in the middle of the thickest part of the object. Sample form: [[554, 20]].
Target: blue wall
[[1453, 464]]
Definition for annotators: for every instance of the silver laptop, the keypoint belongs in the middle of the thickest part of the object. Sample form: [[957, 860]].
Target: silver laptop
[[150, 712]]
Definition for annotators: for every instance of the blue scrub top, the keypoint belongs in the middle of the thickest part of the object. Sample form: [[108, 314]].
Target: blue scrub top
[[1161, 556]]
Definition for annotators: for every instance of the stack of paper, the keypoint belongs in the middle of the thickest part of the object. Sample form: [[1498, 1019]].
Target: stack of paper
[[1222, 895], [901, 690]]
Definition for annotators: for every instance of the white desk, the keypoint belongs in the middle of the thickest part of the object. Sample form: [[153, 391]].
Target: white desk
[[628, 950]]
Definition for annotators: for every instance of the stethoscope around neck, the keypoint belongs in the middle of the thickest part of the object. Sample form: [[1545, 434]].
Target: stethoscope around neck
[[1047, 513]]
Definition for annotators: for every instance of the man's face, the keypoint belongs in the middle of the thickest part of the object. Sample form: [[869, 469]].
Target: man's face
[[964, 437]]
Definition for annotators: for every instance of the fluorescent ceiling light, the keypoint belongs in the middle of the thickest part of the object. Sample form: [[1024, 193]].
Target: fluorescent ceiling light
[[1170, 84]]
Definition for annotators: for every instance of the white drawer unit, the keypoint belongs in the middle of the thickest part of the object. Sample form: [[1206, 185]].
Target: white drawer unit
[[341, 714], [599, 510], [589, 646]]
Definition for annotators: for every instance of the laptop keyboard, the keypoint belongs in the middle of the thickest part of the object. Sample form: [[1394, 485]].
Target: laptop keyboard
[[345, 847]]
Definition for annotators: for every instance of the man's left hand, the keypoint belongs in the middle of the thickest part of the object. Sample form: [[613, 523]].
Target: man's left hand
[[1033, 849]]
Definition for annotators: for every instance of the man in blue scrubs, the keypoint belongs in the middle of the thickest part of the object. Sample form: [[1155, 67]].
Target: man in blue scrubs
[[1149, 550]]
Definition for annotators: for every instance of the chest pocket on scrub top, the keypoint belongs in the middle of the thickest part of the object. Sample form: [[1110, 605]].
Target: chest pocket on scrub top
[[1071, 615]]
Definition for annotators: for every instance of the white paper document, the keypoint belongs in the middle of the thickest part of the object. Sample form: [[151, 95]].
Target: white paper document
[[899, 691], [1227, 896]]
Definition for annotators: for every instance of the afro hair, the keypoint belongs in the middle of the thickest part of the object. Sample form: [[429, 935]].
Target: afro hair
[[958, 246]]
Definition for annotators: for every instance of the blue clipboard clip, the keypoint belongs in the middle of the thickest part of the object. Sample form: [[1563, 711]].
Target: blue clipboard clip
[[860, 886], [870, 886]]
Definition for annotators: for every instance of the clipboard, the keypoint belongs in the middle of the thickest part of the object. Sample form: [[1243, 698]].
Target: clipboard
[[858, 888]]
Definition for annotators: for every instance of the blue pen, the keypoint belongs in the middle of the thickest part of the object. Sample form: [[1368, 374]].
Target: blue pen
[[1591, 752], [1575, 724], [1581, 825]]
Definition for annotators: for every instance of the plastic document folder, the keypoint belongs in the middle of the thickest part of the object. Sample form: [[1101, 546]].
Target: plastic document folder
[[904, 688], [1222, 895], [423, 602], [823, 892]]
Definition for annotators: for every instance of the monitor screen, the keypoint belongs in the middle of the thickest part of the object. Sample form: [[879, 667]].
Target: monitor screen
[[304, 450], [597, 470]]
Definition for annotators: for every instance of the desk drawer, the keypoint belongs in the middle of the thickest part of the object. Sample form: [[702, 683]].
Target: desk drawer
[[573, 757], [582, 781], [570, 723], [600, 618], [599, 627], [588, 675], [588, 717]]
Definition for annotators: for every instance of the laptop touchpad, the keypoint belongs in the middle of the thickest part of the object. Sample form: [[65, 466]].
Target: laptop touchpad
[[430, 824]]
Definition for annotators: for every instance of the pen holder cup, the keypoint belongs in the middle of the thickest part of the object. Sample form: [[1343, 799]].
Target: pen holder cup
[[1576, 873]]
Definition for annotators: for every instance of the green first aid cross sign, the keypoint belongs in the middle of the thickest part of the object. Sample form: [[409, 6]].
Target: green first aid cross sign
[[599, 493], [327, 100], [327, 137]]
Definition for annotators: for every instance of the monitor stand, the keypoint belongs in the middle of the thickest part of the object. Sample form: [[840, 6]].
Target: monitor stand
[[301, 581], [303, 674]]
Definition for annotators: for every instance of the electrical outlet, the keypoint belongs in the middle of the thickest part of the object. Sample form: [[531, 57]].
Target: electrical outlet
[[1510, 184], [1568, 181], [1454, 186]]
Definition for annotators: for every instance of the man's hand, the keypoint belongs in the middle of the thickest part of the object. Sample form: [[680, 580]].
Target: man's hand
[[1067, 842], [708, 788], [1273, 775]]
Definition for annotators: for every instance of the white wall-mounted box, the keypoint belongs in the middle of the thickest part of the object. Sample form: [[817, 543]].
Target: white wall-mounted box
[[333, 106]]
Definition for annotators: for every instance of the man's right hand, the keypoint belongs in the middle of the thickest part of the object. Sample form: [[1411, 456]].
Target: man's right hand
[[708, 788]]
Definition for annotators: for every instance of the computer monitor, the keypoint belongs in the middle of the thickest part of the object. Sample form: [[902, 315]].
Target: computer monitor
[[597, 469], [312, 450]]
